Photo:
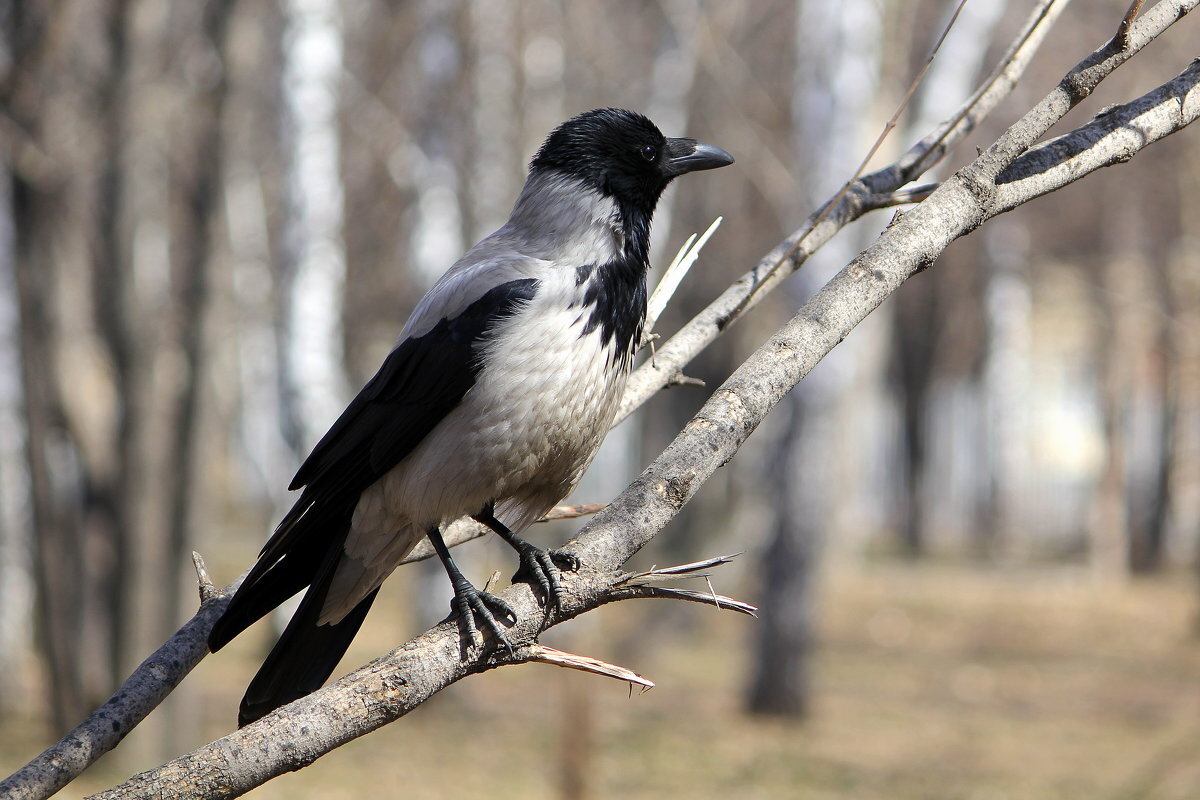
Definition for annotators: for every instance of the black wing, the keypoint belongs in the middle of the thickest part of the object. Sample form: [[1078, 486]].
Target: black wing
[[420, 382]]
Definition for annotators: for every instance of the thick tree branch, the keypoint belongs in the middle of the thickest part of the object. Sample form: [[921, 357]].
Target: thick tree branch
[[1114, 137], [396, 683]]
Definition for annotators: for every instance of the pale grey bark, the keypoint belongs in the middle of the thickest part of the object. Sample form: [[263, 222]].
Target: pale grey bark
[[394, 684]]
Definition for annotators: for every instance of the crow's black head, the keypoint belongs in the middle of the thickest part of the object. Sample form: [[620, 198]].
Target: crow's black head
[[624, 155]]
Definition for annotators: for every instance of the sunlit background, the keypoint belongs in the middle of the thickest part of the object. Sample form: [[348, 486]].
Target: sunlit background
[[973, 529]]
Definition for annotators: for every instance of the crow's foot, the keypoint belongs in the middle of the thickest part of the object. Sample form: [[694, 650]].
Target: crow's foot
[[470, 604], [542, 569]]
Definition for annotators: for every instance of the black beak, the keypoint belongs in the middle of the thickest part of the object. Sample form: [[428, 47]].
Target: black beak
[[688, 155]]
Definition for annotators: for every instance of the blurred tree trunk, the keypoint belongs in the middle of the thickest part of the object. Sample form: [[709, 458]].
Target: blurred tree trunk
[[1183, 274], [56, 491], [780, 684], [113, 502], [918, 316], [196, 184], [1116, 346], [915, 316], [1164, 299], [492, 160], [16, 526], [16, 534], [1150, 491], [312, 263], [59, 557], [837, 69], [1008, 311], [256, 221]]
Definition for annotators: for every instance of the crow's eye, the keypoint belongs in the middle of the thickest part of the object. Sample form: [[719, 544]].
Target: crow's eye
[[649, 152]]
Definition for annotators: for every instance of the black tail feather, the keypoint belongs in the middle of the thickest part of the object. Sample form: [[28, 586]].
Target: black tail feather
[[303, 544], [258, 597], [305, 551], [304, 657]]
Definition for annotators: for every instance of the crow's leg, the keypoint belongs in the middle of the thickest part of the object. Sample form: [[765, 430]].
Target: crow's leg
[[468, 601], [540, 568]]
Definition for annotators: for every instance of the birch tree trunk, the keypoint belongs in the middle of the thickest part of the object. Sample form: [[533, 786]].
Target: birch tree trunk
[[312, 262]]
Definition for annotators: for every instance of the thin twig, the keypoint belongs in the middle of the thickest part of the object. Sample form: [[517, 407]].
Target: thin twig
[[572, 512], [900, 197], [208, 591], [743, 294], [671, 593], [1121, 39], [683, 570], [679, 379], [888, 127], [560, 658], [648, 579]]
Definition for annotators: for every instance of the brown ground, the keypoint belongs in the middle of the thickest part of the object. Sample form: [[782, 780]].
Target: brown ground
[[932, 682]]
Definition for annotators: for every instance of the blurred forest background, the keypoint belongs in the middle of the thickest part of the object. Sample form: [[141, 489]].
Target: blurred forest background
[[973, 529]]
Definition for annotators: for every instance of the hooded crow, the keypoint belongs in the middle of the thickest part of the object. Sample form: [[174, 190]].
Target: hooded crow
[[492, 404]]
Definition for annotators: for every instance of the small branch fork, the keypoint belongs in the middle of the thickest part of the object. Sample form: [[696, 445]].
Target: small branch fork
[[1121, 40], [635, 585], [643, 584], [208, 592], [628, 586]]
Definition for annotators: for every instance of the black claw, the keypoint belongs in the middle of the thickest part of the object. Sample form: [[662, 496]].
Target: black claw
[[542, 569], [470, 604]]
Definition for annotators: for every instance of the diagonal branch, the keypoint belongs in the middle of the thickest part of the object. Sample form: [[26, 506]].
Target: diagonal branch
[[868, 193], [156, 677], [1111, 138], [146, 688], [400, 681]]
